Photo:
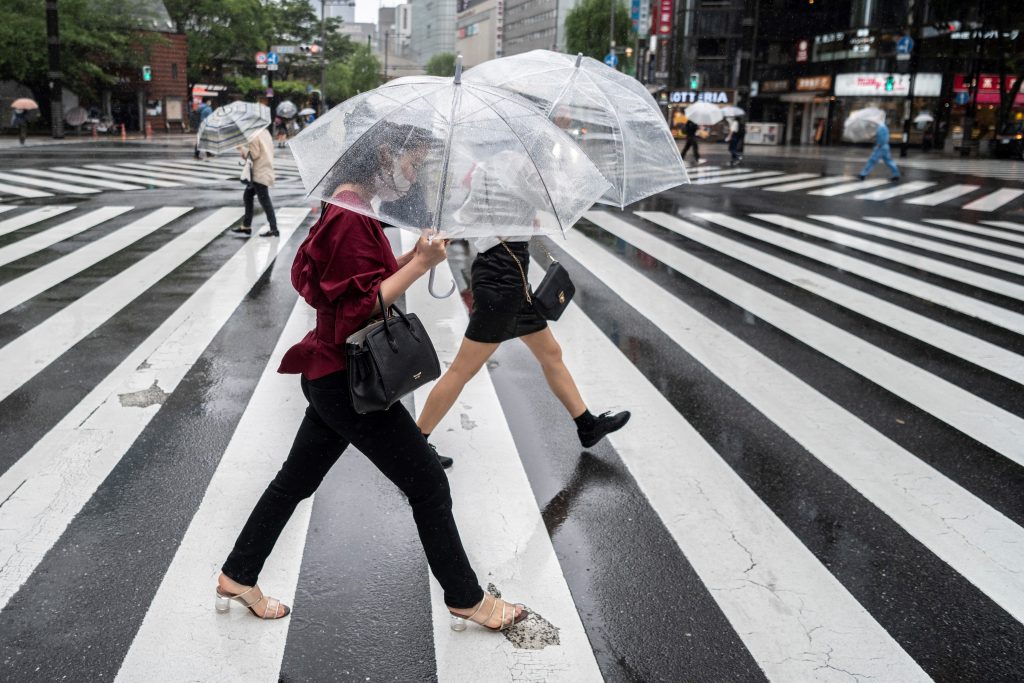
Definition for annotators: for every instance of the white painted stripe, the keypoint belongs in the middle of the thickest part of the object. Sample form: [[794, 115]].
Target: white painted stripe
[[975, 308], [22, 191], [127, 173], [27, 355], [989, 424], [198, 167], [843, 188], [715, 179], [977, 229], [4, 209], [509, 546], [31, 217], [994, 200], [121, 175], [64, 468], [229, 168], [96, 182], [817, 182], [921, 243], [769, 181], [923, 263], [180, 624], [47, 184], [975, 540], [895, 191], [943, 195], [698, 169], [732, 539], [156, 172], [177, 169], [21, 289], [714, 172], [1005, 224], [58, 233], [1004, 249], [972, 349]]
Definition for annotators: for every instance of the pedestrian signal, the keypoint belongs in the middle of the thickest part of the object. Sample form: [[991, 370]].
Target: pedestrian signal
[[147, 73], [890, 83], [694, 81]]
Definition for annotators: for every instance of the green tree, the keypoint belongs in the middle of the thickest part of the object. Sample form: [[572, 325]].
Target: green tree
[[588, 24], [441, 64], [359, 72]]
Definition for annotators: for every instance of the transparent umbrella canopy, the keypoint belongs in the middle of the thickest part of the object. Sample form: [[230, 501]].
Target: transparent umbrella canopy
[[232, 125], [704, 114], [610, 115], [287, 109], [733, 112], [457, 158], [861, 125]]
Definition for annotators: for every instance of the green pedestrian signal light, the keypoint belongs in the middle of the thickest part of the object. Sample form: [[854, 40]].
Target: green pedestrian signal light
[[694, 81], [890, 83], [147, 73]]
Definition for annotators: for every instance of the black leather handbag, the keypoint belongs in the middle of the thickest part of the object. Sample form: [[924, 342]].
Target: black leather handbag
[[554, 292], [387, 359]]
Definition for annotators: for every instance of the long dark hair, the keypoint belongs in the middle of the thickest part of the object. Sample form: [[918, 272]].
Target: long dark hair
[[391, 140]]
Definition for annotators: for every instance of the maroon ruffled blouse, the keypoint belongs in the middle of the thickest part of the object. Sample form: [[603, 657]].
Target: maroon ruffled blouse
[[338, 270]]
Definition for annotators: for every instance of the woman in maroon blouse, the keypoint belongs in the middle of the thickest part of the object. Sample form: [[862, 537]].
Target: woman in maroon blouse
[[338, 270]]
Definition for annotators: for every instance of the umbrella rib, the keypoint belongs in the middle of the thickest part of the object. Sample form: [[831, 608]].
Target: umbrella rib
[[439, 204], [618, 122]]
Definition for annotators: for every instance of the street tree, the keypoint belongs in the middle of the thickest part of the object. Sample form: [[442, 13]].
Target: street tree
[[441, 64], [588, 27], [357, 73]]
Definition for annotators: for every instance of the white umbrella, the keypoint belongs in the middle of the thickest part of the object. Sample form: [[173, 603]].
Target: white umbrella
[[611, 116], [287, 109], [861, 125], [732, 112], [307, 111], [232, 125], [924, 117], [704, 114]]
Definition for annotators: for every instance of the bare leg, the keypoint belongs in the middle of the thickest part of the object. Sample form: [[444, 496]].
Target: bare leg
[[549, 354], [471, 357]]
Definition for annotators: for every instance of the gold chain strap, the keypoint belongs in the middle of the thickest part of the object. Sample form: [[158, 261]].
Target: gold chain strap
[[522, 273]]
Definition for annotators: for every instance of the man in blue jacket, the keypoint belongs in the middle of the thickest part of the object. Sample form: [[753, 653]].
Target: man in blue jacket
[[881, 152]]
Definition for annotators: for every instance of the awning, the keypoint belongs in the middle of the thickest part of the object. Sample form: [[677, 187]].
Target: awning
[[800, 96]]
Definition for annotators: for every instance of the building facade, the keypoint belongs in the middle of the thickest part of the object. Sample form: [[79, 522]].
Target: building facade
[[433, 29], [478, 30]]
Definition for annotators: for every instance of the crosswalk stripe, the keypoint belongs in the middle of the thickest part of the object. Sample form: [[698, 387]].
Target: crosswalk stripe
[[896, 191], [975, 540], [732, 538], [943, 195], [232, 168], [906, 258], [532, 575], [975, 308], [976, 229], [716, 172], [48, 486], [1006, 224], [96, 182], [21, 289], [127, 172], [58, 233], [991, 425], [922, 243], [31, 217], [701, 169], [843, 188], [768, 181], [27, 355], [726, 179], [117, 174], [182, 169], [6, 188], [806, 184], [994, 200], [990, 245], [184, 176], [972, 349], [5, 209], [47, 184], [183, 604]]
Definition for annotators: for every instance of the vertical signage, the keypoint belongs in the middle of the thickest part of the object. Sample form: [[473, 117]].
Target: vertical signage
[[499, 28], [644, 24], [803, 48], [664, 17]]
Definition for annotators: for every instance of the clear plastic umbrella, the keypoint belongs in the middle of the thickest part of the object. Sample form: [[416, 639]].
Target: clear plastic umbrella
[[611, 116], [287, 109], [704, 114], [732, 112], [232, 125], [924, 117], [307, 111], [861, 125]]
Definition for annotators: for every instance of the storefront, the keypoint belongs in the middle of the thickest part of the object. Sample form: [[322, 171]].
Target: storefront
[[887, 92], [808, 114], [675, 102], [986, 113]]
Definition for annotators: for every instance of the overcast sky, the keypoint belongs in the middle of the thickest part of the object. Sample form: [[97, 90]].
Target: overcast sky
[[366, 10]]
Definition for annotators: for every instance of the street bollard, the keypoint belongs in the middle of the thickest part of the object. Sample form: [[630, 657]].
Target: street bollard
[[123, 136], [94, 131], [149, 130]]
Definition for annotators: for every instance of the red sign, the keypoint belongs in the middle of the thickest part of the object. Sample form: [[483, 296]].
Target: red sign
[[803, 47], [664, 17], [988, 88], [261, 57]]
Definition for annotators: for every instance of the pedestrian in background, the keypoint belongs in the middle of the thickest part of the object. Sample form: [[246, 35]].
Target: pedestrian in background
[[737, 131], [260, 153], [692, 133], [19, 120], [881, 152], [203, 112]]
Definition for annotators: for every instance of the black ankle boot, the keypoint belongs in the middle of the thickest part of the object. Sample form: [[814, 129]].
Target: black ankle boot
[[601, 426], [445, 461]]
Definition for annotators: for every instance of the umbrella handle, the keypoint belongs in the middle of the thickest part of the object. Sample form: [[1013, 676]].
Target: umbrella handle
[[430, 287]]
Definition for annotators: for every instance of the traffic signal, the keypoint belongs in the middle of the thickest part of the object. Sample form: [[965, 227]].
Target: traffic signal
[[890, 83], [629, 52], [147, 73], [309, 49], [694, 81]]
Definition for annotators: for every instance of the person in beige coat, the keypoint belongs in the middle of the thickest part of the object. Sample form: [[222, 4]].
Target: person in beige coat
[[261, 151]]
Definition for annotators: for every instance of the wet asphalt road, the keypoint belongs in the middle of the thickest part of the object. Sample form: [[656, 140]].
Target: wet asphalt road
[[654, 593]]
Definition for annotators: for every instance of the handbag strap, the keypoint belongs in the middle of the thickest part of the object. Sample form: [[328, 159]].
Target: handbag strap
[[387, 329], [522, 273]]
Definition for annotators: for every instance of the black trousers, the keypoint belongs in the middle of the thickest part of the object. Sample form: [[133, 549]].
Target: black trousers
[[394, 444], [691, 142], [263, 193]]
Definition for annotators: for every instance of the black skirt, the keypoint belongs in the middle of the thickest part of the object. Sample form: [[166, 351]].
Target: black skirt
[[500, 308]]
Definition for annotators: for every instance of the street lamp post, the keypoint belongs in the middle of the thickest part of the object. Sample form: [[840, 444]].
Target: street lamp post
[[54, 75]]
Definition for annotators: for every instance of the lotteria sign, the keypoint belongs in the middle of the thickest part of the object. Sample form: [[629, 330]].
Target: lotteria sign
[[691, 96]]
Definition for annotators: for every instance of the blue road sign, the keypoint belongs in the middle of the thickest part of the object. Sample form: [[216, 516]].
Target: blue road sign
[[905, 45], [611, 60], [273, 58], [963, 97]]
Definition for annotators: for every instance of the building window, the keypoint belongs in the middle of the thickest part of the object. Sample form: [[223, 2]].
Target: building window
[[174, 72]]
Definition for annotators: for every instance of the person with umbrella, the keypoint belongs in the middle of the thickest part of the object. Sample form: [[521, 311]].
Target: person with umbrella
[[259, 153], [737, 131], [20, 115], [202, 112], [859, 125]]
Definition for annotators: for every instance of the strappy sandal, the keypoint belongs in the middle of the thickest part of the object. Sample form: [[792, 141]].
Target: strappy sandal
[[270, 610], [507, 620]]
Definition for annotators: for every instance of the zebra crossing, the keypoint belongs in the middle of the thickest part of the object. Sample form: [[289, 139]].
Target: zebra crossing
[[96, 178], [827, 445], [981, 199]]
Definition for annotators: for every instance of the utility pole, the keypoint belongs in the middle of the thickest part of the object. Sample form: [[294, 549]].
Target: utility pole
[[967, 141], [611, 50], [913, 31], [387, 33], [323, 65], [54, 75]]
